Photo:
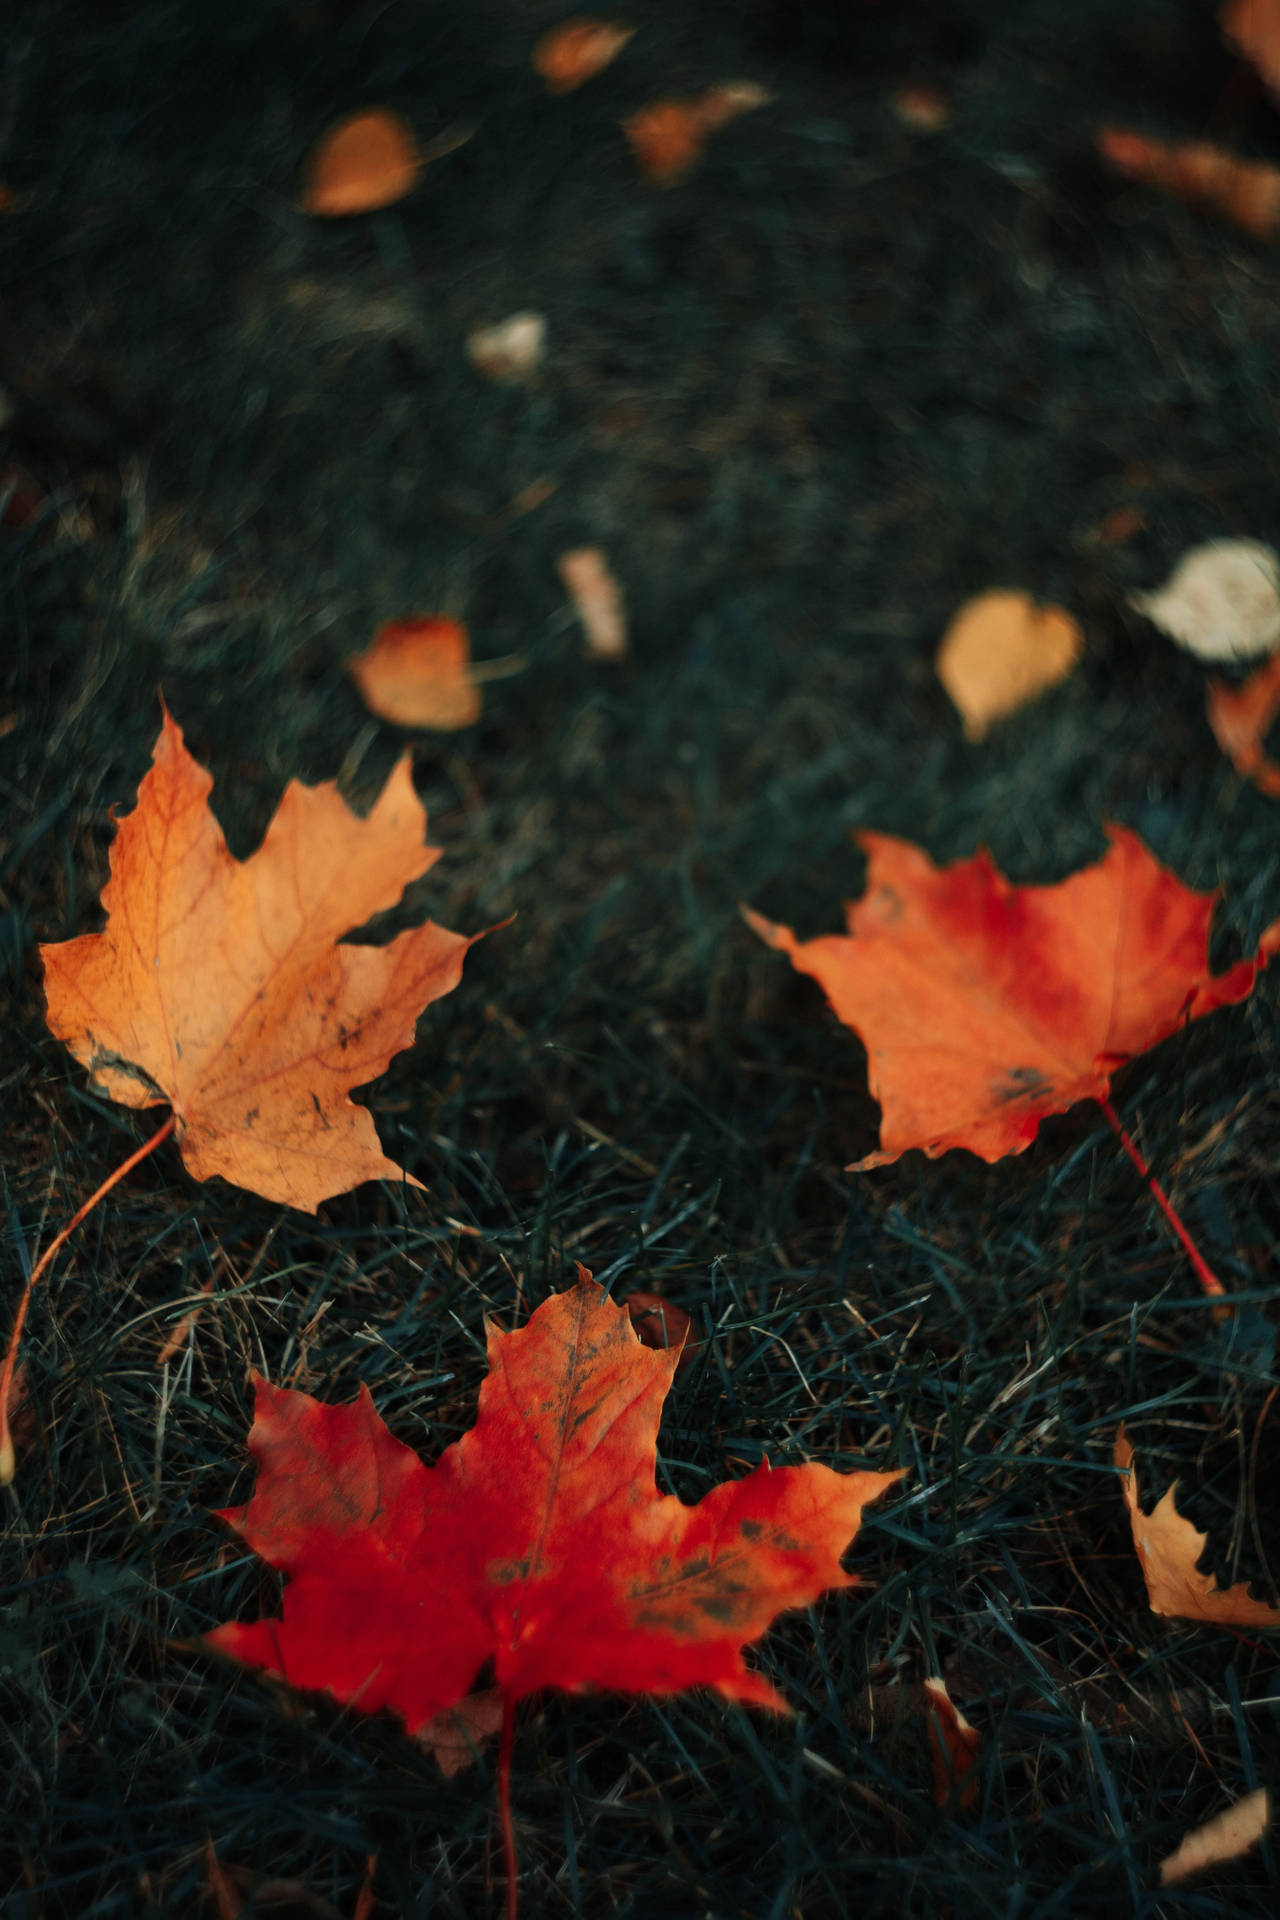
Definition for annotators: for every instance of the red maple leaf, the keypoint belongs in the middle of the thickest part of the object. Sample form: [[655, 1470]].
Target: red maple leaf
[[986, 1006]]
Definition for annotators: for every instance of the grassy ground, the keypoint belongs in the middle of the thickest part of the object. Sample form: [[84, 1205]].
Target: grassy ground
[[844, 377]]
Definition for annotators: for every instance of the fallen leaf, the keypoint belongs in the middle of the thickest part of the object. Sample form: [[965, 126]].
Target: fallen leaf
[[218, 985], [597, 599], [1118, 526], [1245, 191], [456, 1735], [1168, 1547], [366, 161], [985, 1007], [1000, 651], [661, 1323], [577, 49], [417, 673], [954, 1744], [539, 1541], [512, 350], [668, 136], [177, 1339], [923, 108], [1223, 1838], [1221, 602], [1242, 717], [1253, 27]]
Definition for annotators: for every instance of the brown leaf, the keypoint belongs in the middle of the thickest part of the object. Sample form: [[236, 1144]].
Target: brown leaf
[[1245, 191], [417, 673], [1169, 1547], [1242, 717], [577, 49], [1000, 651], [662, 1324], [1223, 1838], [366, 161], [1253, 27], [597, 599]]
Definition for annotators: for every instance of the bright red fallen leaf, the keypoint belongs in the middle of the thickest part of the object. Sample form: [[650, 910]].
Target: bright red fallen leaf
[[985, 1007], [539, 1541], [366, 161], [1169, 1547], [219, 985], [577, 49], [1242, 717], [1253, 26], [1245, 191], [417, 673]]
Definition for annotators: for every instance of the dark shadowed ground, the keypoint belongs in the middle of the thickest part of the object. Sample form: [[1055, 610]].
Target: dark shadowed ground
[[808, 401]]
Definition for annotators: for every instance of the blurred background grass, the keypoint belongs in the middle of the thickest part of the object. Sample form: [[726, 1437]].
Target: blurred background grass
[[845, 376]]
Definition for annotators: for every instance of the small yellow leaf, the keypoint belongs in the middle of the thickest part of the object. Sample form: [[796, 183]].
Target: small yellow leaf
[[1000, 651], [1223, 1838]]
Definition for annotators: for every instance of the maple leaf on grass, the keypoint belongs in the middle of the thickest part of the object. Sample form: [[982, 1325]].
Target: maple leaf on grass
[[539, 1541], [985, 1006], [1169, 1548], [1242, 717]]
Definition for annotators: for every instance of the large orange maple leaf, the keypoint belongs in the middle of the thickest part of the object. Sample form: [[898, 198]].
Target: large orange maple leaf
[[985, 1006], [218, 984], [538, 1541]]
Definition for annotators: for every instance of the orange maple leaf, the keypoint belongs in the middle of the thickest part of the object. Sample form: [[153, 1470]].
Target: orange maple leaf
[[367, 161], [538, 1541], [985, 1006], [1253, 27], [218, 985], [417, 673], [1169, 1547], [1242, 717]]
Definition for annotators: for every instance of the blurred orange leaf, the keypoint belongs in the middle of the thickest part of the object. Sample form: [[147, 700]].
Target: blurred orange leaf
[[417, 673], [1242, 717], [577, 49], [597, 600], [1223, 1838], [668, 136], [1253, 26], [366, 161], [1245, 191], [1000, 651], [1168, 1547], [954, 1744]]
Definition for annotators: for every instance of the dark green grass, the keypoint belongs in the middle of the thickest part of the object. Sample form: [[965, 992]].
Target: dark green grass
[[808, 402]]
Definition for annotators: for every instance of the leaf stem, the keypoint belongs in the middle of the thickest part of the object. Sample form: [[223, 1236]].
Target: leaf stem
[[38, 1272], [1203, 1271], [510, 1862]]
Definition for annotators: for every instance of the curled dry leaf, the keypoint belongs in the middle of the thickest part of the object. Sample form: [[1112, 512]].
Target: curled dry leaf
[[417, 673], [597, 600], [661, 1323], [1253, 27], [366, 161], [668, 136], [1242, 717], [577, 49], [219, 985], [539, 1541], [1221, 602], [953, 1744], [512, 349], [984, 1007], [1245, 191], [1168, 1547], [1223, 1838], [1000, 651]]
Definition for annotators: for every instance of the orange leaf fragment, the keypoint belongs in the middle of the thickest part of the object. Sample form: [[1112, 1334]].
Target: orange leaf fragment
[[1242, 717], [539, 1541], [668, 136], [366, 161], [577, 49], [953, 1743], [985, 1006], [1000, 651], [1225, 1837], [219, 985], [1169, 1547], [597, 599], [1253, 27], [923, 108], [456, 1734], [1245, 191], [417, 673]]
